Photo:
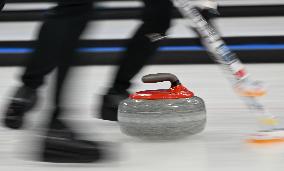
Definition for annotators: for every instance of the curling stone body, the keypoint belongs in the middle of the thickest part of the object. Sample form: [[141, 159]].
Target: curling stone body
[[162, 114]]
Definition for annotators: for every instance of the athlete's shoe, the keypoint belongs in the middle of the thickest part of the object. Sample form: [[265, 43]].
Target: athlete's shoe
[[110, 103], [24, 100], [61, 145], [249, 88]]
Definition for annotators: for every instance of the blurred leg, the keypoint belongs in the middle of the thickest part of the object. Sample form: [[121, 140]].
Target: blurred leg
[[61, 144], [57, 41], [74, 20], [156, 21]]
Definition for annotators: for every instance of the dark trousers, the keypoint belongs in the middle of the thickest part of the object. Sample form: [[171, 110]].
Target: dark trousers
[[156, 19], [55, 47], [60, 32], [58, 37], [57, 40]]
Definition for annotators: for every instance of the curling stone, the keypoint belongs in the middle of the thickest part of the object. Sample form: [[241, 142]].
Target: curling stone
[[162, 114]]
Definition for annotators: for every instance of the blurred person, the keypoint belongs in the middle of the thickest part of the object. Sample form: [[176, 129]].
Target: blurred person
[[143, 45], [55, 48]]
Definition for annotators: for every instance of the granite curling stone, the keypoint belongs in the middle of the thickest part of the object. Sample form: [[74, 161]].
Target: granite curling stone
[[162, 114]]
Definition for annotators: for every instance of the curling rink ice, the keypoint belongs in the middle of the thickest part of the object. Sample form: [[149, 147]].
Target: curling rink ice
[[221, 147]]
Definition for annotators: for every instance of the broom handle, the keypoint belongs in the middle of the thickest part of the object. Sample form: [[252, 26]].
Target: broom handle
[[220, 53]]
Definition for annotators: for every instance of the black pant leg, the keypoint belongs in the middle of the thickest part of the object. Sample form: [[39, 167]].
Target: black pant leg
[[57, 40], [156, 21], [56, 45]]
